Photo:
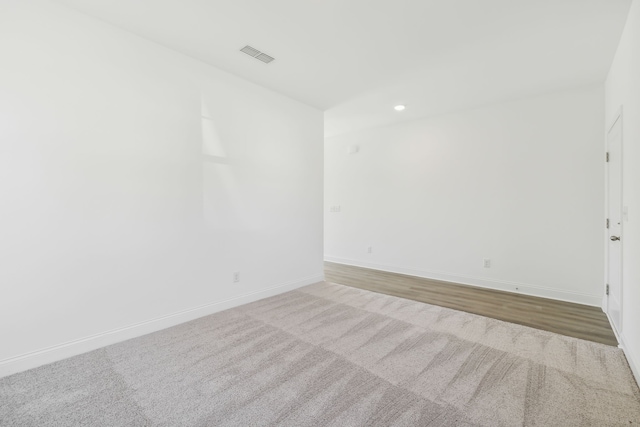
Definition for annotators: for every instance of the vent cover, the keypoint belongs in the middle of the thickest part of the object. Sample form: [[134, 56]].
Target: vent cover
[[265, 58], [255, 53]]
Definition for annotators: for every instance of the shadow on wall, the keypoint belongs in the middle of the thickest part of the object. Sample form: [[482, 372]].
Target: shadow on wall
[[221, 192]]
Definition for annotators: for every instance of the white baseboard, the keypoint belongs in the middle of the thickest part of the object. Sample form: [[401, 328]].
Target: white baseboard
[[613, 328], [500, 285], [52, 354], [634, 361]]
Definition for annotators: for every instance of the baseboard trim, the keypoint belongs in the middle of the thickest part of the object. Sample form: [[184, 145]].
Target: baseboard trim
[[58, 352], [500, 285], [634, 362], [613, 328]]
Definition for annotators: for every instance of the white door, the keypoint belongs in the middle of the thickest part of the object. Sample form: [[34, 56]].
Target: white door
[[614, 214]]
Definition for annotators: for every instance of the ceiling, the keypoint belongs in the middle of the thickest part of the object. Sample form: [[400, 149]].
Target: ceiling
[[356, 59]]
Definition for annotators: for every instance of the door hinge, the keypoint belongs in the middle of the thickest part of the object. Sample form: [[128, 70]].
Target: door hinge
[[607, 290], [607, 222], [607, 156]]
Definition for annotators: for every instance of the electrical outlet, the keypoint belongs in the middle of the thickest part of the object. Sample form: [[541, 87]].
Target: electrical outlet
[[236, 277], [334, 209], [370, 249], [487, 263]]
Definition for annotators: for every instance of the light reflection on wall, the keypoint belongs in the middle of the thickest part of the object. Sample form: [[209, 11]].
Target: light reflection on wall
[[220, 188]]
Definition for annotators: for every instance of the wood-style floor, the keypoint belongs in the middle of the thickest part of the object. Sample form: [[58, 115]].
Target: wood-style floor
[[575, 320]]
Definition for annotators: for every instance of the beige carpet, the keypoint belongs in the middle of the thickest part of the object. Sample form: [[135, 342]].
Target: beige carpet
[[330, 355]]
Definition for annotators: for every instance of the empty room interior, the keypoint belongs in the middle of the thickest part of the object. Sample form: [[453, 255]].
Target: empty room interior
[[319, 213]]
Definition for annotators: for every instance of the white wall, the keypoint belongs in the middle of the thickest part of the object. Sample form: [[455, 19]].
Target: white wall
[[623, 89], [520, 183], [134, 181]]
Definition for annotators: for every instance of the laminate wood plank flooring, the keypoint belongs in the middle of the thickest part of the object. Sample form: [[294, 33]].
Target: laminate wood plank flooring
[[574, 320]]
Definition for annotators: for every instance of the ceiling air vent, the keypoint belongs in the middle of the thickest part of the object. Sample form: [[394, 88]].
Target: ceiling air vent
[[255, 53], [265, 58]]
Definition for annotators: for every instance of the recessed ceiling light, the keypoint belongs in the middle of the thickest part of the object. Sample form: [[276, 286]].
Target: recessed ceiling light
[[399, 107]]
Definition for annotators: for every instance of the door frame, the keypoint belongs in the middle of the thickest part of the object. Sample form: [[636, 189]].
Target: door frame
[[605, 301]]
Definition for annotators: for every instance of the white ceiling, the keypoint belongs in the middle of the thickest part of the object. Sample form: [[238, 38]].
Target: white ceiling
[[356, 59]]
